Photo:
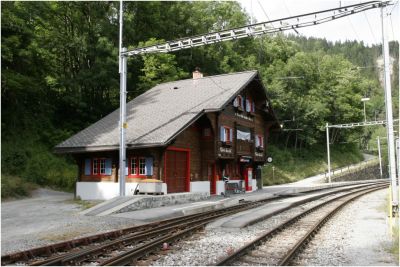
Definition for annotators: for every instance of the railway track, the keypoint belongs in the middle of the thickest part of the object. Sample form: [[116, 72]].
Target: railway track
[[280, 245], [126, 246], [73, 252]]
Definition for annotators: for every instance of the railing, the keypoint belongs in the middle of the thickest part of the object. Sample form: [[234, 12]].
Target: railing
[[225, 150], [244, 147]]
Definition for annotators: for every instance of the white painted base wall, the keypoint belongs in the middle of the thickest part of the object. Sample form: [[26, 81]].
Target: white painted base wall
[[200, 186], [105, 190], [108, 190], [220, 187], [254, 184]]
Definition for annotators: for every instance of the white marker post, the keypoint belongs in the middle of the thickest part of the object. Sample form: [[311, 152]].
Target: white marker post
[[328, 153], [380, 157]]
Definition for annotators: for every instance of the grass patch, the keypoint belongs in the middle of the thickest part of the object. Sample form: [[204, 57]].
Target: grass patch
[[290, 165], [14, 187], [64, 236], [394, 249], [84, 204]]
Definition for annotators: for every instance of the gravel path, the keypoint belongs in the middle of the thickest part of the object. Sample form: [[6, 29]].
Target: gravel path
[[48, 217], [207, 247], [365, 241]]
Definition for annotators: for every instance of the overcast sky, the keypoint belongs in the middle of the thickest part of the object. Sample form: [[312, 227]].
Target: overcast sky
[[354, 27]]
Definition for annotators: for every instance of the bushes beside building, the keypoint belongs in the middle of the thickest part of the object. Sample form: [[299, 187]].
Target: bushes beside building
[[25, 165]]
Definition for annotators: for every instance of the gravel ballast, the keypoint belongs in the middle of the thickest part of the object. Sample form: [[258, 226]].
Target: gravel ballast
[[356, 235], [216, 243], [48, 217], [359, 248]]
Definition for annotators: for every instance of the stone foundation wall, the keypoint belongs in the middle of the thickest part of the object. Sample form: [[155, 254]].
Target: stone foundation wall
[[367, 173], [147, 202]]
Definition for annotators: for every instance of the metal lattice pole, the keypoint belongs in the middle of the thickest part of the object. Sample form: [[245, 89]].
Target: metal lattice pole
[[122, 106], [389, 112]]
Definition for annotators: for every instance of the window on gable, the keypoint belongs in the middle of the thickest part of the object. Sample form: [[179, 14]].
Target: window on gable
[[207, 132], [260, 141], [228, 137], [226, 134], [241, 101]]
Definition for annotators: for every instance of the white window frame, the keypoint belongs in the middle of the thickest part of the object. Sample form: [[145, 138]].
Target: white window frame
[[142, 166], [133, 166], [99, 164], [95, 166], [102, 166]]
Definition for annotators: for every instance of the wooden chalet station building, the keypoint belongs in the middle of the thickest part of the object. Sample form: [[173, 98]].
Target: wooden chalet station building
[[188, 134]]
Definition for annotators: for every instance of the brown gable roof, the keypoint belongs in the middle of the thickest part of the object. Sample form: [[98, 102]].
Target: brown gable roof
[[158, 115]]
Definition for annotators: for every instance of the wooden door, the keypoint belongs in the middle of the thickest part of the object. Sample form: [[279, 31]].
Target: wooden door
[[176, 171]]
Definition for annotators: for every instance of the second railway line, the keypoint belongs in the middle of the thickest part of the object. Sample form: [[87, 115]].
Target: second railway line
[[142, 244]]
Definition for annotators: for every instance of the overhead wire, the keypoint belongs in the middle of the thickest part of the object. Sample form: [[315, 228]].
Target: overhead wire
[[254, 29], [370, 28], [265, 13], [394, 5], [287, 9], [391, 21], [391, 26], [262, 39], [351, 24], [352, 27]]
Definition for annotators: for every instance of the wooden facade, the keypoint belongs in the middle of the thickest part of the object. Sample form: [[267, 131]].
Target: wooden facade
[[231, 143]]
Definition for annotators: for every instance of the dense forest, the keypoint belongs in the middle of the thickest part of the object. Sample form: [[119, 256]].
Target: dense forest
[[60, 74]]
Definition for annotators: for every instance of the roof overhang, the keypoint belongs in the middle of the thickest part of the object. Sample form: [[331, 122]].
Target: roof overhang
[[75, 150], [115, 147]]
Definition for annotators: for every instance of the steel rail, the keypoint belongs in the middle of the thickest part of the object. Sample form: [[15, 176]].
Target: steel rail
[[131, 256], [307, 200], [73, 257], [84, 241], [258, 241], [286, 260], [85, 254], [126, 233]]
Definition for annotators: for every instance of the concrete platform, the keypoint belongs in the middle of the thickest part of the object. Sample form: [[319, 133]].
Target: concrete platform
[[268, 210], [141, 202], [143, 209], [215, 202]]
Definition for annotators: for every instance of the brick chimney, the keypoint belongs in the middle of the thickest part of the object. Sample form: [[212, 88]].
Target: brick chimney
[[197, 74]]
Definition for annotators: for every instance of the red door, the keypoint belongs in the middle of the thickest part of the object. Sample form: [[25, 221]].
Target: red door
[[212, 178], [176, 171]]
